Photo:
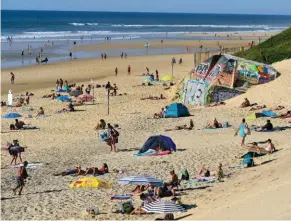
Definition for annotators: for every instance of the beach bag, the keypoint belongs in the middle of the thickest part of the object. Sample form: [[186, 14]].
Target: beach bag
[[185, 175], [247, 130], [225, 124], [126, 207]]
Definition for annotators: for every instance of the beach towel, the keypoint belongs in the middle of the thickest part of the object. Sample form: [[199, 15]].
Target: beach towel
[[121, 197], [196, 182], [29, 166], [267, 113], [151, 153]]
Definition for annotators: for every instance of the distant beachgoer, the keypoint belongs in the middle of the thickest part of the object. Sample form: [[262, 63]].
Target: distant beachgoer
[[121, 54], [116, 71], [102, 56], [148, 70], [37, 60], [113, 140], [40, 112], [12, 78], [22, 175], [128, 70], [243, 131], [101, 125], [125, 55], [22, 53], [258, 107], [61, 83], [157, 75], [105, 56], [70, 55], [108, 86], [246, 103], [268, 126], [77, 171], [15, 151]]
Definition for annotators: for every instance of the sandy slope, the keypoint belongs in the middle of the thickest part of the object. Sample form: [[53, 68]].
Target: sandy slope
[[68, 140]]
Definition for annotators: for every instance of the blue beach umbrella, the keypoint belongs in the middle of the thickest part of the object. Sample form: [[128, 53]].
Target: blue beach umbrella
[[140, 180], [64, 98], [12, 115]]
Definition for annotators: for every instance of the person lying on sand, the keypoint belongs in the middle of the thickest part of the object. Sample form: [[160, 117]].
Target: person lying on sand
[[286, 115], [216, 104], [77, 171], [52, 96], [19, 102], [40, 112], [161, 97], [277, 108], [246, 103], [257, 107], [101, 125], [95, 170], [270, 147], [206, 173], [183, 127], [214, 124]]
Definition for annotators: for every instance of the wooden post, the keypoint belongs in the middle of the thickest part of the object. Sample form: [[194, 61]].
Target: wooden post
[[108, 93]]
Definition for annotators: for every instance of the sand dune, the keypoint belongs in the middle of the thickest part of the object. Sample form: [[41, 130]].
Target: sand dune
[[68, 140]]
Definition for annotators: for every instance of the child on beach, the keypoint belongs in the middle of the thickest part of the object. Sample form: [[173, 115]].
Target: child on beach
[[22, 175]]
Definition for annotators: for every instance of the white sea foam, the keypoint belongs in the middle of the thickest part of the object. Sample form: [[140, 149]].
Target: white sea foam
[[201, 26], [77, 24]]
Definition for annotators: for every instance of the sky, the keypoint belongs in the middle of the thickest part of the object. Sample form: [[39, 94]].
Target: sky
[[279, 7]]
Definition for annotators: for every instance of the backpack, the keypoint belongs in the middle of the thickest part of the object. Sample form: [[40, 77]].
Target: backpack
[[185, 175]]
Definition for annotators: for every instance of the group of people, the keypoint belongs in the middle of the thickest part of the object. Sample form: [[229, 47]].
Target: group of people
[[79, 172]]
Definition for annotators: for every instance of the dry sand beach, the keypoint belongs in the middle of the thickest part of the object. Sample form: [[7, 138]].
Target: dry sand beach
[[68, 140]]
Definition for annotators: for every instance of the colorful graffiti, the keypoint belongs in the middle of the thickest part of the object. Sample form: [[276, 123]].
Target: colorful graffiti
[[202, 69], [218, 95], [253, 73]]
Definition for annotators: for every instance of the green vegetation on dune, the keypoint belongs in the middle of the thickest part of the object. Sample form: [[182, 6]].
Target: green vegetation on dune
[[276, 48]]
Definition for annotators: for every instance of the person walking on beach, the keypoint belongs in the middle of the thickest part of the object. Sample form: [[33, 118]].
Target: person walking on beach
[[22, 175], [243, 131], [102, 56], [125, 55], [116, 71], [105, 56], [157, 75], [12, 78], [121, 55], [128, 70], [113, 140]]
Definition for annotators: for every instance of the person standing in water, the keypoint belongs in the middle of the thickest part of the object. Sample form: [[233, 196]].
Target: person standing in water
[[22, 175], [12, 78], [70, 55]]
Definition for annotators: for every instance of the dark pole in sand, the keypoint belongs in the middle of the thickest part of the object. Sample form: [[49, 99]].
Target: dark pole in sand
[[108, 91], [92, 85]]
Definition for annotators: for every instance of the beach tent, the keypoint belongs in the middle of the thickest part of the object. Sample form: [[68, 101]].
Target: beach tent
[[222, 77], [158, 142], [177, 110], [85, 97]]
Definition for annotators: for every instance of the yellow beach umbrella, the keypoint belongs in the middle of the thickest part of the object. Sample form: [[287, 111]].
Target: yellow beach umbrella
[[167, 78], [91, 182]]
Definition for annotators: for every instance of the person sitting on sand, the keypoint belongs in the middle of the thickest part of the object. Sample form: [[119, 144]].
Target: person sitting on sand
[[164, 191], [104, 169], [160, 115], [220, 174], [77, 171], [18, 125], [114, 88], [214, 124], [70, 107], [257, 107], [40, 112], [101, 125], [3, 103], [145, 200], [270, 147], [268, 126], [246, 103]]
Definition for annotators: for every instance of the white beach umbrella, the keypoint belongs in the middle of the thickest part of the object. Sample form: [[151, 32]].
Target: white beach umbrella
[[163, 207], [140, 180]]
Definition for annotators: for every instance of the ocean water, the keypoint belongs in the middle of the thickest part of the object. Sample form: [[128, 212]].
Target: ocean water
[[24, 25], [39, 29]]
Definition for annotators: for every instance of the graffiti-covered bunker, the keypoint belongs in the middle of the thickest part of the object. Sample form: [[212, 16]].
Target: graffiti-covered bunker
[[222, 77]]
